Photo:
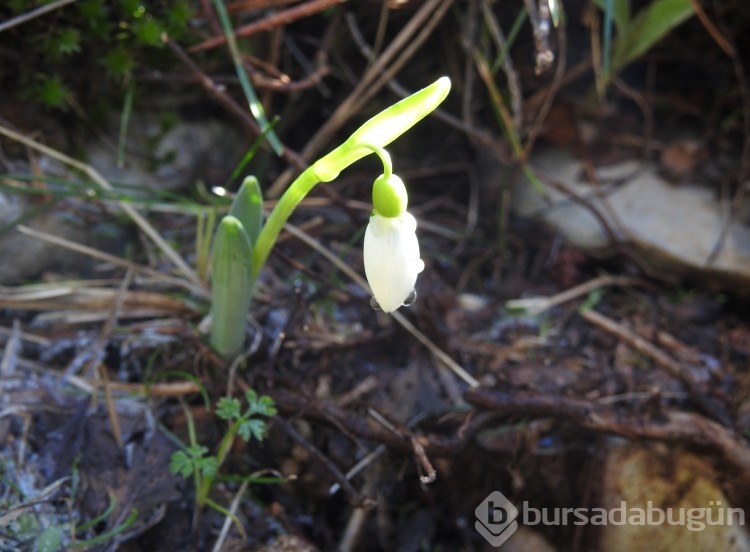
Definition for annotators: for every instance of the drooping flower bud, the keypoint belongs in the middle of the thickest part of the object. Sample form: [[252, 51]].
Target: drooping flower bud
[[391, 249], [389, 197]]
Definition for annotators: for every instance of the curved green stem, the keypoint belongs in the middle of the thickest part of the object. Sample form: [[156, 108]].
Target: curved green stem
[[280, 214], [385, 158], [290, 199], [225, 446]]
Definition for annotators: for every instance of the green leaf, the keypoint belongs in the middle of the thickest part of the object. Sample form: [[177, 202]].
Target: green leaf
[[96, 19], [251, 397], [382, 129], [134, 8], [231, 289], [101, 538], [648, 27], [119, 63], [254, 103], [263, 406], [247, 207], [208, 465], [50, 540], [253, 428], [178, 18], [181, 463], [94, 14], [593, 299], [228, 408]]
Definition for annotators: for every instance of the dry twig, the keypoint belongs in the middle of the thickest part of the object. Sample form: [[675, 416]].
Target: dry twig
[[400, 318], [29, 15], [673, 425], [355, 498], [698, 390], [272, 21], [400, 50], [94, 175]]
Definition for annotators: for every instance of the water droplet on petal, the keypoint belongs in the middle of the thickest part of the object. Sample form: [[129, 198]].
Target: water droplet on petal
[[374, 304], [410, 299]]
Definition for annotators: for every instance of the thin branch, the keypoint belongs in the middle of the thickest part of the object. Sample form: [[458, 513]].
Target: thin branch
[[699, 392], [400, 51], [401, 319], [200, 291], [355, 498], [672, 426], [272, 21], [534, 306], [218, 93]]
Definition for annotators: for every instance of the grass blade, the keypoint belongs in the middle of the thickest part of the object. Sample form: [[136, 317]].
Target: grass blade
[[256, 108]]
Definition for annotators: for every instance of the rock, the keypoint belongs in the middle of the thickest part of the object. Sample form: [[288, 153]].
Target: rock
[[25, 257], [666, 480], [674, 227], [165, 154]]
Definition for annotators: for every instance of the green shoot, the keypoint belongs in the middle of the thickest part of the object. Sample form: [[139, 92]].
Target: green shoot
[[231, 288], [232, 271], [247, 207], [104, 537], [377, 132]]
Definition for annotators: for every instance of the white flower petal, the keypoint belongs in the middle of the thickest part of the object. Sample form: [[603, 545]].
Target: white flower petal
[[392, 260]]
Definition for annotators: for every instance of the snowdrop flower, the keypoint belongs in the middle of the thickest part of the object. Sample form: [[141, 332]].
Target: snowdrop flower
[[391, 249]]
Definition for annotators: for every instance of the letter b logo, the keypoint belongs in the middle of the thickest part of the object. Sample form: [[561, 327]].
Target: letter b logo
[[496, 519]]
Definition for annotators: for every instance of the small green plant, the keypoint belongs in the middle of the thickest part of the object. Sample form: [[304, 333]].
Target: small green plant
[[242, 242], [24, 525], [111, 38], [637, 33], [194, 459]]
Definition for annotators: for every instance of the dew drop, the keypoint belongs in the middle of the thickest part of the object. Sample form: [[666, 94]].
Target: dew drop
[[410, 299], [374, 304]]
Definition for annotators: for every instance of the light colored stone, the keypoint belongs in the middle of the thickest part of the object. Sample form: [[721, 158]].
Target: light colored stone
[[663, 477], [675, 227], [160, 157], [24, 257], [169, 158]]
